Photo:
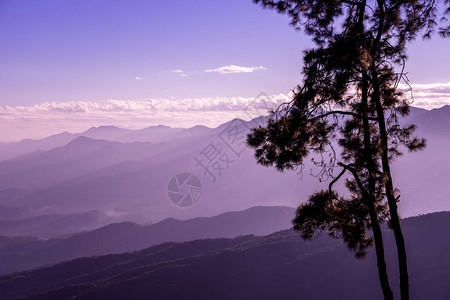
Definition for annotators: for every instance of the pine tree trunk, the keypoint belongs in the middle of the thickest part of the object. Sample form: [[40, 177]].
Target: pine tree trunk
[[372, 204], [392, 201], [389, 187], [379, 249]]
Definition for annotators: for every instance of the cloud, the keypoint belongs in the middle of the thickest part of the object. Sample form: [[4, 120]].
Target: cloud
[[180, 72], [428, 95], [236, 69], [36, 121], [144, 106], [138, 78]]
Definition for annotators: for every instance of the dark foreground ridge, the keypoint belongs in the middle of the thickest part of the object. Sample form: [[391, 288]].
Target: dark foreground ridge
[[277, 266], [23, 253]]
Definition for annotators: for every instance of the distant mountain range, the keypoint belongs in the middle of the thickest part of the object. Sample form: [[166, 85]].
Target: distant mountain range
[[153, 134], [124, 174], [20, 253], [277, 266], [53, 225]]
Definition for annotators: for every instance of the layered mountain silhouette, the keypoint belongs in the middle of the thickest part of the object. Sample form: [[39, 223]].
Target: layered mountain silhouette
[[20, 253], [277, 266], [124, 174], [53, 225], [154, 134]]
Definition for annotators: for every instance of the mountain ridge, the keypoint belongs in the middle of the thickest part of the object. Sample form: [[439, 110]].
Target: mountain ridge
[[276, 266], [128, 236]]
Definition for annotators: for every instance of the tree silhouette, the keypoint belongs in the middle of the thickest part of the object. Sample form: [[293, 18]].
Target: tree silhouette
[[349, 100]]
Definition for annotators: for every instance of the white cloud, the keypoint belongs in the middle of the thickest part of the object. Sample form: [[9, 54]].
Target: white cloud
[[180, 72], [18, 122], [47, 118], [428, 95], [138, 78], [236, 69]]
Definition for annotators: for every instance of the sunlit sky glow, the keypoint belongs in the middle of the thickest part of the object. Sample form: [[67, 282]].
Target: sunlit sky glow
[[69, 65]]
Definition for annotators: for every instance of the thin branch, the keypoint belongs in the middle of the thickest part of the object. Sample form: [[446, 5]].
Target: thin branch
[[330, 187], [357, 179], [349, 113]]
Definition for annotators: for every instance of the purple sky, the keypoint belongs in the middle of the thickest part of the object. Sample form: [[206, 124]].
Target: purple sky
[[68, 51], [93, 50]]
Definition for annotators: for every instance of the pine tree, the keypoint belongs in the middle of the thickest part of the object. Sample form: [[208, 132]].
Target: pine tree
[[349, 100]]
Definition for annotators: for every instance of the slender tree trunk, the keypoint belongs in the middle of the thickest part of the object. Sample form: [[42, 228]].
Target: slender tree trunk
[[379, 249], [372, 204], [389, 187]]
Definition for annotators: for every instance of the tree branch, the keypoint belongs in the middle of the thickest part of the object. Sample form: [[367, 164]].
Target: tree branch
[[340, 112], [357, 179], [330, 187]]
